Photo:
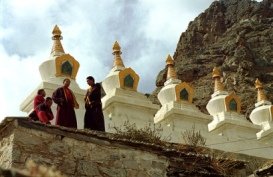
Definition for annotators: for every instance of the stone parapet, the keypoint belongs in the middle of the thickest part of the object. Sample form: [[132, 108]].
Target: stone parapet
[[92, 153]]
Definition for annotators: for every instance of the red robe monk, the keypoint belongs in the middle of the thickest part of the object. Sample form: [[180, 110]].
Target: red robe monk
[[66, 101], [44, 111], [39, 99]]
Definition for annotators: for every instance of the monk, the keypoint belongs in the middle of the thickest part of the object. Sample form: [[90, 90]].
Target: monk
[[38, 99], [44, 111], [93, 118], [66, 102]]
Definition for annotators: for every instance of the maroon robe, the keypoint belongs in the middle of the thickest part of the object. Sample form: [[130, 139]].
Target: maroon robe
[[44, 113], [65, 100], [38, 100], [93, 118]]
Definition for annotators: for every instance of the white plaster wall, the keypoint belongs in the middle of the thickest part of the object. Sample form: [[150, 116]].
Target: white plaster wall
[[216, 104], [167, 94], [116, 114], [48, 69], [261, 114], [111, 82]]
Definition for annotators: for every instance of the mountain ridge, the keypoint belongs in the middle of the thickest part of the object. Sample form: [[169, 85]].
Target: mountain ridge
[[235, 36]]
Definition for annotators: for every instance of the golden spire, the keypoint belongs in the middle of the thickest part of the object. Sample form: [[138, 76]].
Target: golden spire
[[171, 74], [216, 75], [116, 52], [57, 37], [261, 95]]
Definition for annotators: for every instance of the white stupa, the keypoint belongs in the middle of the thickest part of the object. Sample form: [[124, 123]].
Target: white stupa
[[53, 71], [177, 112], [225, 109], [122, 102], [263, 113]]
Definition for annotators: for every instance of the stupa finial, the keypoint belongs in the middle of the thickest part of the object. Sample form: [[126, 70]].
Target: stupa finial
[[171, 74], [216, 75], [117, 58], [57, 47], [260, 95]]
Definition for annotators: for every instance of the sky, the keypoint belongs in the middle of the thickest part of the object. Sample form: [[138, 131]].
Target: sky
[[147, 31]]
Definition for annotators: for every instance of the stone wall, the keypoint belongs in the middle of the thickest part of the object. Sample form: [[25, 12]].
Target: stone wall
[[84, 158], [6, 151], [85, 153]]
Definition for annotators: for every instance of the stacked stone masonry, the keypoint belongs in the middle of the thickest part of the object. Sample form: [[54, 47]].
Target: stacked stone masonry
[[82, 153]]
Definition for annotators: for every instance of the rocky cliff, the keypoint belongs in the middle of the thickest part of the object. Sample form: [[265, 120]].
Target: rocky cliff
[[234, 35]]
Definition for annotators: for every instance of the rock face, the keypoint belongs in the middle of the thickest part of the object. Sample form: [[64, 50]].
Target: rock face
[[234, 35]]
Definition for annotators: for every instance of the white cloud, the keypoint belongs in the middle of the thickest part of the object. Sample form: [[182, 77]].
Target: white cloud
[[16, 81]]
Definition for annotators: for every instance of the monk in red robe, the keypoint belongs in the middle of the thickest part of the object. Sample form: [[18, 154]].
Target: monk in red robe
[[66, 101], [38, 99], [44, 111]]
